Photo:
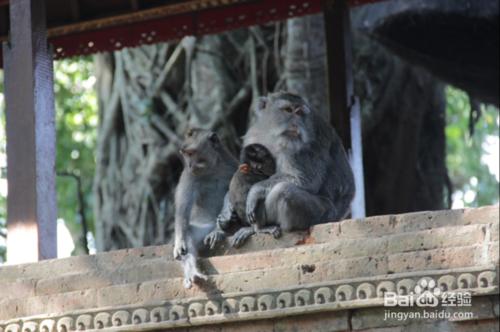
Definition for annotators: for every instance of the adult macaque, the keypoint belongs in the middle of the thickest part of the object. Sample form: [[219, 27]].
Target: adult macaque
[[256, 164], [313, 182], [199, 196]]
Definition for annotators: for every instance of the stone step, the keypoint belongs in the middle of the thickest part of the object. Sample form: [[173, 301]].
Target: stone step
[[84, 263], [406, 223]]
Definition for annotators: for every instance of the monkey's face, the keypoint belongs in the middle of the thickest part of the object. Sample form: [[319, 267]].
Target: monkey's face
[[287, 118], [256, 159], [200, 150]]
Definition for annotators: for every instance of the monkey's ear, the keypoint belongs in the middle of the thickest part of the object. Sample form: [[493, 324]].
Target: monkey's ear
[[260, 105], [213, 138]]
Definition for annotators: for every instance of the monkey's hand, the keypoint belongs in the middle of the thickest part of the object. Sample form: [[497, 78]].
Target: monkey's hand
[[255, 195], [180, 248], [241, 236], [213, 238]]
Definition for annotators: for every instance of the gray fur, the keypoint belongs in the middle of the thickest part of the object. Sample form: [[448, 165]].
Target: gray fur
[[256, 164], [208, 168], [259, 165], [313, 182]]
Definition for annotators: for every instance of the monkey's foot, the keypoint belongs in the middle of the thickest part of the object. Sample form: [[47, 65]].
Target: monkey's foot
[[275, 231], [180, 249], [213, 238], [241, 236], [194, 278]]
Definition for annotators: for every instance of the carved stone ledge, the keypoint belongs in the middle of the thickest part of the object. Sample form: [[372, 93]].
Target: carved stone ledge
[[263, 304], [332, 278]]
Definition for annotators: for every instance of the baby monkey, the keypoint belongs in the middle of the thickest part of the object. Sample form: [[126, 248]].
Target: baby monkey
[[256, 164]]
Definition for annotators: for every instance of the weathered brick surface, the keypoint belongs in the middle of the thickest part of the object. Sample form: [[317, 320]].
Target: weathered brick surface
[[158, 290], [11, 308], [60, 303], [484, 325], [494, 232], [259, 326], [56, 304], [442, 237], [337, 321], [20, 288], [46, 269], [254, 280], [481, 215], [435, 259], [72, 282], [417, 221], [344, 269], [370, 227], [493, 252], [421, 241], [326, 322], [336, 251], [149, 269], [386, 329], [117, 295]]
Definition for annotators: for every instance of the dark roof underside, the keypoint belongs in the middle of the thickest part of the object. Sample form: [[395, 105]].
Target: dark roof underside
[[78, 27]]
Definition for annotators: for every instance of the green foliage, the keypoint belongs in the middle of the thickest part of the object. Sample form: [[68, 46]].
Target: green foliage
[[76, 125], [472, 180]]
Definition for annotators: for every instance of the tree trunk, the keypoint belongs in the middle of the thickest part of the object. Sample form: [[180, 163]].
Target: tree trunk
[[403, 132], [149, 96]]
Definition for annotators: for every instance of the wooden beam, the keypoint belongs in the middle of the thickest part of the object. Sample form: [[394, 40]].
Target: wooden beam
[[117, 29], [345, 109], [29, 98]]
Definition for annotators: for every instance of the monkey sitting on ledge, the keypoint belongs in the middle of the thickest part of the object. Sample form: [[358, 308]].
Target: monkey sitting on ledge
[[313, 182], [256, 164], [208, 168]]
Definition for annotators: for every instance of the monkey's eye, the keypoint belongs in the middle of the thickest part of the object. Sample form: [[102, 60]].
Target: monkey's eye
[[190, 132], [299, 111], [287, 109], [213, 138]]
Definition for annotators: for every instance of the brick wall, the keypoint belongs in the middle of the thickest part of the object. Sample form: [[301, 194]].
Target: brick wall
[[329, 279]]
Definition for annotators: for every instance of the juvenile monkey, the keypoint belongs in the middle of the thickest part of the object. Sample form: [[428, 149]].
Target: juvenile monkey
[[208, 168], [256, 164], [313, 182]]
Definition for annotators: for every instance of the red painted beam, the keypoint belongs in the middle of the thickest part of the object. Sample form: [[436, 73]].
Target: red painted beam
[[207, 21]]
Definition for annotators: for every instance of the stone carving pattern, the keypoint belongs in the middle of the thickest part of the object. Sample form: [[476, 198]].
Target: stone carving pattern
[[280, 301]]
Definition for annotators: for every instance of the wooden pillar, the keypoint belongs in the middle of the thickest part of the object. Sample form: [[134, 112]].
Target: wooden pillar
[[345, 108], [29, 100]]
